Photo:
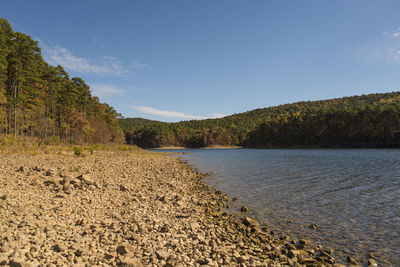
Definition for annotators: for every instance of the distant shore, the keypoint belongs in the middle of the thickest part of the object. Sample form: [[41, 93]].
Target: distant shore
[[129, 208], [207, 147], [361, 146]]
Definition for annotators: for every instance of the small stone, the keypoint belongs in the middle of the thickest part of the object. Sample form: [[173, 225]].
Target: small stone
[[18, 262], [125, 249], [304, 242], [108, 256], [351, 261], [194, 226], [21, 169], [49, 173], [131, 262], [3, 259], [244, 209], [308, 261], [313, 226], [78, 252], [86, 179], [162, 255], [253, 224], [59, 248], [371, 255], [297, 253], [122, 188], [67, 187], [372, 262]]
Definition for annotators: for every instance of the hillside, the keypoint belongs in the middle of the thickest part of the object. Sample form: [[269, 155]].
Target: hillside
[[42, 102], [359, 121]]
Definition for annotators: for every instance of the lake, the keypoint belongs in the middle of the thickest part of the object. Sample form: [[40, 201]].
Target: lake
[[353, 195]]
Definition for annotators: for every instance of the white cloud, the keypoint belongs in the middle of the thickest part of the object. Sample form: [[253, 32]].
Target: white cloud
[[57, 55], [138, 65], [385, 48], [104, 90], [174, 114]]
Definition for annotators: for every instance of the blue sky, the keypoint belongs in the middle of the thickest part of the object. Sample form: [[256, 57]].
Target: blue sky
[[191, 59]]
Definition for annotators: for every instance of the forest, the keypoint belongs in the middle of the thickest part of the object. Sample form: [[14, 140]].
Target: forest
[[359, 121], [41, 102]]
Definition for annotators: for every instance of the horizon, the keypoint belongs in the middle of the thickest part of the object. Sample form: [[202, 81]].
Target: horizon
[[183, 60], [267, 107]]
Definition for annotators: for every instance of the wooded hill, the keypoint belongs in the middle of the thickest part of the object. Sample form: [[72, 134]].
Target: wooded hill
[[359, 121], [41, 101]]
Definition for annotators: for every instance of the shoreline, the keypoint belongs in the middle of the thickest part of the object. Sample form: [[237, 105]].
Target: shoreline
[[279, 147], [207, 147], [120, 208]]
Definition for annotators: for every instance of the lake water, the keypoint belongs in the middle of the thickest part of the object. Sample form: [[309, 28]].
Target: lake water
[[353, 195]]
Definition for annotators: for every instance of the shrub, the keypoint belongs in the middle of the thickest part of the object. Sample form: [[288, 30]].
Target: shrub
[[78, 151]]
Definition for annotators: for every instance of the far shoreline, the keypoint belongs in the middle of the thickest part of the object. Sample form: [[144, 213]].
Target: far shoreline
[[396, 146], [207, 147]]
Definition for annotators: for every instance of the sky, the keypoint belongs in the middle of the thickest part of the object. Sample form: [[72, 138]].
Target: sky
[[193, 59]]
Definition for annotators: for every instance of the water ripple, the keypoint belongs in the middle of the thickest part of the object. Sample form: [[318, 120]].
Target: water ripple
[[352, 194]]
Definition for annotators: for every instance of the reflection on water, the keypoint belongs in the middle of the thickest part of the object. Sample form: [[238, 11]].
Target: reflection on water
[[353, 195]]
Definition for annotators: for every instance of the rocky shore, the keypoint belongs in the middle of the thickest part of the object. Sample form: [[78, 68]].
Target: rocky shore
[[115, 208]]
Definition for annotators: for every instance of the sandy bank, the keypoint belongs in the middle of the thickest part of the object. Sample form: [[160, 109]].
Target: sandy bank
[[129, 209]]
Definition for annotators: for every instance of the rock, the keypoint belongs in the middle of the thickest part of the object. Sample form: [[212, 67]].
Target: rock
[[21, 169], [108, 256], [244, 209], [18, 262], [3, 259], [50, 173], [194, 226], [78, 252], [67, 187], [297, 254], [163, 199], [371, 255], [351, 260], [162, 255], [86, 179], [372, 262], [59, 247], [253, 224], [125, 249], [131, 262], [122, 188], [308, 261], [304, 242], [171, 262], [66, 179]]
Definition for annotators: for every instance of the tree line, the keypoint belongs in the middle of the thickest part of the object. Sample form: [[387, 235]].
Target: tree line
[[359, 121], [42, 101]]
